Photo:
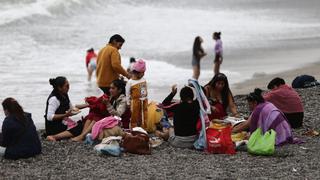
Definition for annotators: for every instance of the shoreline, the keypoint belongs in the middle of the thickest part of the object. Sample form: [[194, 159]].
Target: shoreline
[[245, 87], [261, 80]]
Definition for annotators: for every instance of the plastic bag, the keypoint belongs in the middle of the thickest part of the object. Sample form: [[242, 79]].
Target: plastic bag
[[109, 146], [262, 144], [219, 141]]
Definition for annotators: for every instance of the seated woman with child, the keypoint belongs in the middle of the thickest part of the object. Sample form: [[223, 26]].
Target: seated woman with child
[[116, 105]]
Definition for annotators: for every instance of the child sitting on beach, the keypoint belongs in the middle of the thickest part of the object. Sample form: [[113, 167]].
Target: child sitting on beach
[[136, 92], [186, 115]]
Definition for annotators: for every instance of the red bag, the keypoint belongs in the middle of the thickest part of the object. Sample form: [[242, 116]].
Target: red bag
[[219, 141]]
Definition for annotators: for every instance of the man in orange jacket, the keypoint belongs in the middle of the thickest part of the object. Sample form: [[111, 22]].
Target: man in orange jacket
[[109, 63]]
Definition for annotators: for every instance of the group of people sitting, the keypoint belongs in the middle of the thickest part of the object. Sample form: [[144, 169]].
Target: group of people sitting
[[124, 106], [280, 109]]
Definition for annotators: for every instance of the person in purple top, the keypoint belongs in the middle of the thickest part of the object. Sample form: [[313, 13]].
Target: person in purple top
[[218, 49], [266, 116]]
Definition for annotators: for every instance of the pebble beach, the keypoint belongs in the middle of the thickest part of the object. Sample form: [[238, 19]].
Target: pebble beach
[[69, 160]]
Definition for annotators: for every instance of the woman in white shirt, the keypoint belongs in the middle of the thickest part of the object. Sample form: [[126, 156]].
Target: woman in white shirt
[[59, 109]]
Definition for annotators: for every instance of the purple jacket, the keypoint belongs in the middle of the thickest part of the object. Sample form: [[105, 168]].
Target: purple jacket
[[267, 116]]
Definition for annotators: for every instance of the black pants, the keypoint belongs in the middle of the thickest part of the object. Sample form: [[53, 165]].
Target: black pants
[[76, 131], [105, 90], [295, 119]]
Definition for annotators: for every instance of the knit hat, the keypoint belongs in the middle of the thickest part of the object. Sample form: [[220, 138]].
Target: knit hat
[[139, 66]]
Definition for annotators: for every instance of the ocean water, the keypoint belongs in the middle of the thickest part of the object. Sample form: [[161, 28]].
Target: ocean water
[[41, 39]]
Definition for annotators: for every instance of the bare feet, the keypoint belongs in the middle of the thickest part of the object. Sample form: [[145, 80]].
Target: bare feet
[[164, 135], [51, 138], [77, 139]]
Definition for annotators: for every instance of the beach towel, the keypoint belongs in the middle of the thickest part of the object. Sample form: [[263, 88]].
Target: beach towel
[[108, 122], [201, 142]]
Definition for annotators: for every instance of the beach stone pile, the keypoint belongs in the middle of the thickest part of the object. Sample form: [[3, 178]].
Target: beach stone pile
[[69, 160]]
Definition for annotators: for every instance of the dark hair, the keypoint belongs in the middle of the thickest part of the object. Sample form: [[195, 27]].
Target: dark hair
[[90, 50], [135, 72], [217, 34], [116, 38], [226, 89], [121, 85], [276, 82], [186, 93], [132, 60], [197, 47], [14, 109], [256, 95], [57, 82]]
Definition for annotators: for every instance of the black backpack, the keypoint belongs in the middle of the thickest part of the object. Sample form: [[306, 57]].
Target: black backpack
[[304, 81]]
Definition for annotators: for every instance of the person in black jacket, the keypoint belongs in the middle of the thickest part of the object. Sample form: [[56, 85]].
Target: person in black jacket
[[186, 114], [20, 138]]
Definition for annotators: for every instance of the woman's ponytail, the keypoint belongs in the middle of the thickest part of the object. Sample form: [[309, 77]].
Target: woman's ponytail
[[256, 95]]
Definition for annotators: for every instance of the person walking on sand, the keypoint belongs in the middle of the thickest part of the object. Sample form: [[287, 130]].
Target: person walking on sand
[[91, 62], [109, 63], [218, 52], [197, 54]]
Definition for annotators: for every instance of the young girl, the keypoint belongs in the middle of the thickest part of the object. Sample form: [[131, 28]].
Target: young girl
[[136, 92], [197, 54], [218, 52]]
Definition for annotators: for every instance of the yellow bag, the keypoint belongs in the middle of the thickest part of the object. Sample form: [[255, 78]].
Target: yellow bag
[[154, 116]]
